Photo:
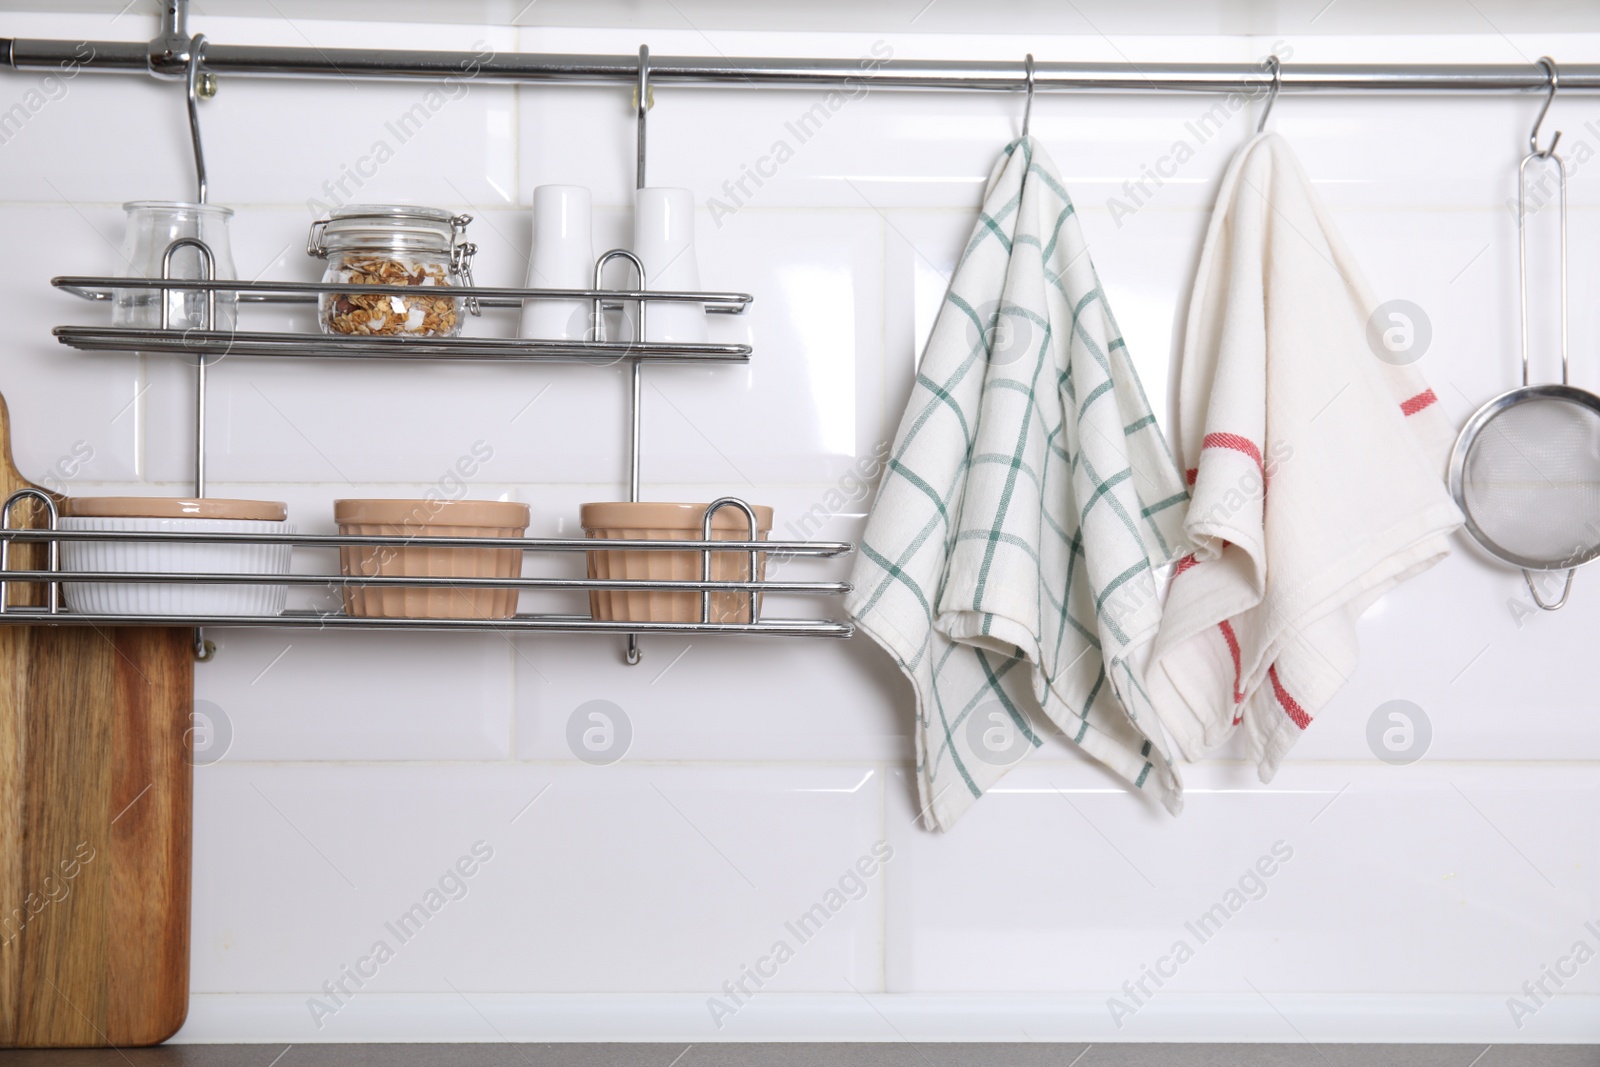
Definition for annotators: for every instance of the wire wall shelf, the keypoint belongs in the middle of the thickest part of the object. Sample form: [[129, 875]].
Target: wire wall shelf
[[31, 571], [52, 585]]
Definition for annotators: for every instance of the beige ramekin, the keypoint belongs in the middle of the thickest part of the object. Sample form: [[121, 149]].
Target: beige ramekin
[[649, 520], [417, 520]]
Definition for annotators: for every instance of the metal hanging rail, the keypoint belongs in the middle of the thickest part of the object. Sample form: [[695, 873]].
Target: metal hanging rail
[[798, 73], [174, 54]]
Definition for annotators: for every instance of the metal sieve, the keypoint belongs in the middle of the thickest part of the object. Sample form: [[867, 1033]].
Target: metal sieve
[[1525, 470]]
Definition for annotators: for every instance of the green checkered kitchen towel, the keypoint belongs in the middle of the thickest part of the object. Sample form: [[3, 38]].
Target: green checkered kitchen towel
[[1008, 561]]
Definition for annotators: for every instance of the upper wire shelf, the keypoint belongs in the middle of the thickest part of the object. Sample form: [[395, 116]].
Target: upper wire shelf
[[91, 287], [193, 342], [475, 349]]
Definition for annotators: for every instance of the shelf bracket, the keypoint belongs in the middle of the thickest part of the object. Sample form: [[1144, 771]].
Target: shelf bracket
[[208, 268], [636, 385], [641, 103], [53, 558]]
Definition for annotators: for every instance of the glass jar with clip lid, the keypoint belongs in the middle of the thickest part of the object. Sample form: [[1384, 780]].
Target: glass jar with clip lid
[[393, 245]]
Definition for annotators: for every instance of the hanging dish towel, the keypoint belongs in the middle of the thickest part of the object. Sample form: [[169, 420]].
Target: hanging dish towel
[[1007, 563], [1316, 469]]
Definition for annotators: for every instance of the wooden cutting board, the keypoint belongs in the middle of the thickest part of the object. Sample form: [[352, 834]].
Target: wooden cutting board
[[95, 785]]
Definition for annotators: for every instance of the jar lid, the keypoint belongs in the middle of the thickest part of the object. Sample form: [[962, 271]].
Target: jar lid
[[386, 227], [152, 507]]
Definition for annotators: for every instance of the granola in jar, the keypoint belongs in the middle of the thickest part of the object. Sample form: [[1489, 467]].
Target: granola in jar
[[392, 246]]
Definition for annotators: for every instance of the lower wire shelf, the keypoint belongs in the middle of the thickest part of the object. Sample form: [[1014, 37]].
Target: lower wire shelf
[[338, 620], [48, 592]]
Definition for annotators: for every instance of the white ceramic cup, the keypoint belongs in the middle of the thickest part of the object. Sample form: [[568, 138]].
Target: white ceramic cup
[[563, 258], [663, 239]]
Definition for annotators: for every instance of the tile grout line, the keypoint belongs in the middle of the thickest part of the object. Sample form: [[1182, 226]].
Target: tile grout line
[[511, 688], [883, 890]]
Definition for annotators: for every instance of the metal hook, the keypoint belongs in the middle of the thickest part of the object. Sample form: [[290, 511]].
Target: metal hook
[[1522, 257], [642, 103], [1554, 83], [1272, 94], [1027, 109], [192, 90]]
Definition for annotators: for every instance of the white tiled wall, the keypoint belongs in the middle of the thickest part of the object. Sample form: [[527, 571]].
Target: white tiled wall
[[618, 898]]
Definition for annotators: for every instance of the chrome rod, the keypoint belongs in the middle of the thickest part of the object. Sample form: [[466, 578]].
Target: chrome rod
[[523, 544], [53, 555], [200, 424], [420, 582], [641, 94], [208, 266], [101, 288], [705, 555], [313, 620], [635, 394], [329, 346], [635, 417], [345, 64], [294, 298], [308, 298]]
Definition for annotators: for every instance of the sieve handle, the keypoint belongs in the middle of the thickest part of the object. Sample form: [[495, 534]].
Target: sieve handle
[[1566, 591], [1522, 255]]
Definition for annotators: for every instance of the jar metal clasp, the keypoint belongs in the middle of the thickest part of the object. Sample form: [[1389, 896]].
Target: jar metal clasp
[[461, 253], [315, 245]]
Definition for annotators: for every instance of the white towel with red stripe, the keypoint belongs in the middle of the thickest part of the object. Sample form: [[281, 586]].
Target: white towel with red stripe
[[1316, 470]]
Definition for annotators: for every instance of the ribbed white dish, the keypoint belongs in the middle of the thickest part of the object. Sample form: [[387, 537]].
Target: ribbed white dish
[[127, 598]]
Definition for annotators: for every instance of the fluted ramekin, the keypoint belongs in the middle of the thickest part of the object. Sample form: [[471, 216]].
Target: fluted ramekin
[[177, 599]]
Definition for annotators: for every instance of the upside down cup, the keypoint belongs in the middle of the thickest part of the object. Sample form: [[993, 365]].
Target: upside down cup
[[175, 515], [669, 522], [416, 521]]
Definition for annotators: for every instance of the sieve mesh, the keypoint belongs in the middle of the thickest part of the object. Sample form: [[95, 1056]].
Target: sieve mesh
[[1531, 481]]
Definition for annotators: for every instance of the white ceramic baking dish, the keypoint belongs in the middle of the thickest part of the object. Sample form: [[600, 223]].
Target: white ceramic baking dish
[[164, 515]]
